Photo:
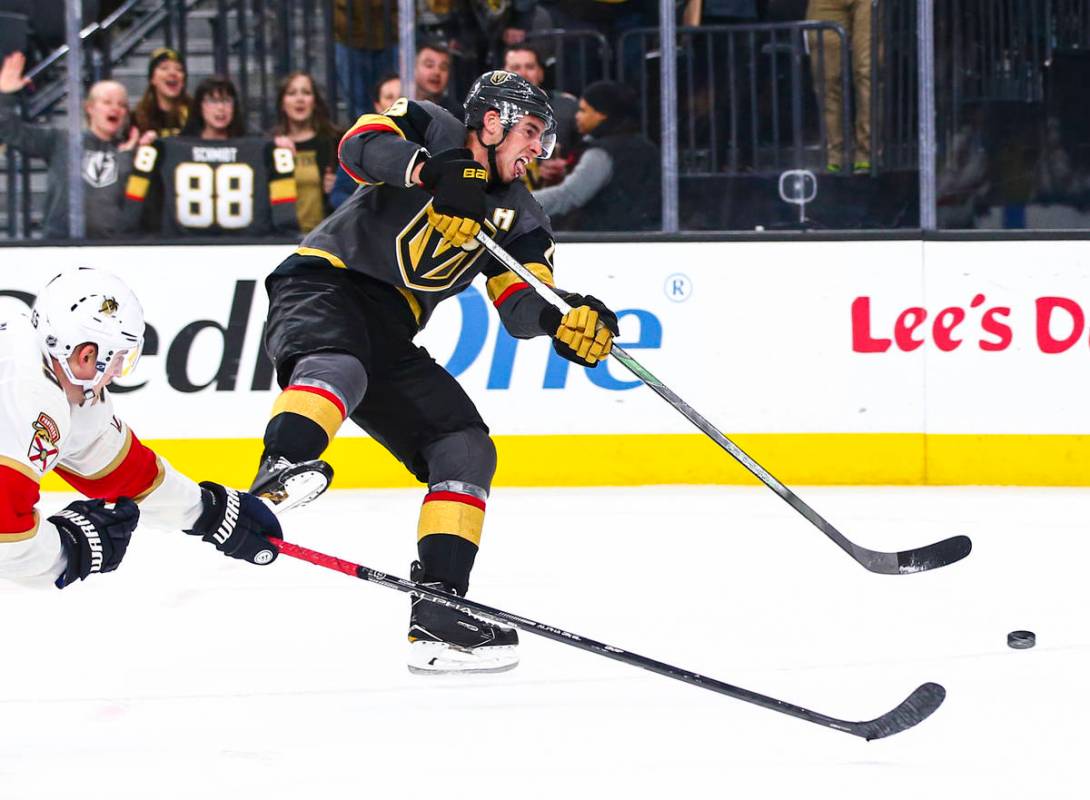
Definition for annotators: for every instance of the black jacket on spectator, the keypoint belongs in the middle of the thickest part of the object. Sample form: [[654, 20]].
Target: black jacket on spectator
[[632, 200]]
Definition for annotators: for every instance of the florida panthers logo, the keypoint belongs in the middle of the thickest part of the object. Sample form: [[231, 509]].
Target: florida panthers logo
[[427, 261], [44, 446]]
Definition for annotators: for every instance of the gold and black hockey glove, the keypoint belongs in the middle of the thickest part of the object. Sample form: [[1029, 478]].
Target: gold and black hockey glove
[[458, 184], [585, 334]]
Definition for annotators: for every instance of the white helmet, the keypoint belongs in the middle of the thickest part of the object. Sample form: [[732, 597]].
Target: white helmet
[[84, 305]]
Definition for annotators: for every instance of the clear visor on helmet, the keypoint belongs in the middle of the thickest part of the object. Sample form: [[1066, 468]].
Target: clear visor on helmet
[[510, 115], [123, 362], [548, 142]]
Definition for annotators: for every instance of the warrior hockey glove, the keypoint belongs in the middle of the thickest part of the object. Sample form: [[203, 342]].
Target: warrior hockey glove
[[94, 537], [238, 524], [578, 336], [458, 184]]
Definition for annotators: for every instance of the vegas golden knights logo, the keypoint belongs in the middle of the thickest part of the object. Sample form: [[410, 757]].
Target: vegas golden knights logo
[[109, 307], [427, 261], [499, 76]]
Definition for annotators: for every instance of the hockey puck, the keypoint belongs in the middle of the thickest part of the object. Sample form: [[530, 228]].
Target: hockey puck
[[1021, 640]]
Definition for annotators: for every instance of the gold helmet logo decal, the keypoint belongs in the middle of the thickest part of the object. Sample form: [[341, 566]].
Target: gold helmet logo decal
[[499, 76], [109, 307]]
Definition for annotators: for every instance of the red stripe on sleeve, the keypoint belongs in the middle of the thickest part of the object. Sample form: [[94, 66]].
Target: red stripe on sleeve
[[455, 497], [321, 393], [18, 496], [372, 126], [510, 290], [132, 477]]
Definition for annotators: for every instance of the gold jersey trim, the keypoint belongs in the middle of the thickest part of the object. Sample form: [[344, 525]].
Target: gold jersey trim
[[23, 535], [21, 468]]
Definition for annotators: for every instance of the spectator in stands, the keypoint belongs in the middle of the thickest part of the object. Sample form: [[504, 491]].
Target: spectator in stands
[[611, 18], [303, 123], [525, 60], [617, 184], [476, 31], [108, 142], [855, 17], [719, 12], [215, 112], [164, 106], [213, 179], [365, 33], [386, 92], [500, 24], [431, 74]]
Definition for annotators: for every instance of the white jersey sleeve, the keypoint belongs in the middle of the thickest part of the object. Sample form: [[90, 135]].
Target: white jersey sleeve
[[34, 425], [108, 461]]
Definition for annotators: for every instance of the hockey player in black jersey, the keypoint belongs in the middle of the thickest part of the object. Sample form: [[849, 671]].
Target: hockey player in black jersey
[[344, 309]]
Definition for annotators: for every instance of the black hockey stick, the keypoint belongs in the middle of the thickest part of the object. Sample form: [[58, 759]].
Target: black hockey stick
[[917, 707], [917, 559]]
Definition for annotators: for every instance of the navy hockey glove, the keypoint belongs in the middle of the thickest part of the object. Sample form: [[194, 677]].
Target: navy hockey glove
[[238, 524], [577, 335], [94, 537], [458, 184]]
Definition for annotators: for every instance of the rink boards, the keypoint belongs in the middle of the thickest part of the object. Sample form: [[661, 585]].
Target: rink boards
[[865, 362]]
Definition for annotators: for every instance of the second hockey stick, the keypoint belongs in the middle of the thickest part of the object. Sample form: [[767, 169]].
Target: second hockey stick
[[917, 559], [917, 707]]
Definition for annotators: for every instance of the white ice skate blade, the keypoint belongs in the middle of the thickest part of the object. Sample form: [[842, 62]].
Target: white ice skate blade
[[299, 489], [437, 658]]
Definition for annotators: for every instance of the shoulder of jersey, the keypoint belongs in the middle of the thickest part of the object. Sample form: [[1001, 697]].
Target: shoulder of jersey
[[26, 379], [446, 129]]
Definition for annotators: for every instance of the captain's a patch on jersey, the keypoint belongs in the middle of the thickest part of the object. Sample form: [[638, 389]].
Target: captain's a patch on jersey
[[45, 445]]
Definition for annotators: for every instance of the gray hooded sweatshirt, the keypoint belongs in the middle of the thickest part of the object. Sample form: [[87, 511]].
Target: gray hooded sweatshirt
[[105, 171]]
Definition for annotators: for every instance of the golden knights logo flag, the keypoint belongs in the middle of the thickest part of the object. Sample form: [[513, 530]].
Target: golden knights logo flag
[[428, 262]]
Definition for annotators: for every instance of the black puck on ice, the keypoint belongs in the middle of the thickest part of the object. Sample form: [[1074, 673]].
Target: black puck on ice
[[1021, 640]]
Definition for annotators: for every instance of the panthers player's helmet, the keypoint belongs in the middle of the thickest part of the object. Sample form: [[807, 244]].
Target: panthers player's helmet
[[512, 97], [85, 305]]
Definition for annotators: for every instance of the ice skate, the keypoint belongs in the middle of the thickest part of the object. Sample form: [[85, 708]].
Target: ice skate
[[445, 640], [285, 485]]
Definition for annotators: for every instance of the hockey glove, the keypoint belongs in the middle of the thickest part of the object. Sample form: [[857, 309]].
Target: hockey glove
[[578, 336], [94, 537], [238, 524], [458, 184]]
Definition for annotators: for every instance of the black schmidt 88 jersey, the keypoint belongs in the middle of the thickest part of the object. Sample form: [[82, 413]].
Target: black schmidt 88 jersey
[[242, 186], [382, 230]]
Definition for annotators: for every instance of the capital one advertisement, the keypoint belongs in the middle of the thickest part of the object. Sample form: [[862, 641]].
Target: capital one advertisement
[[763, 339]]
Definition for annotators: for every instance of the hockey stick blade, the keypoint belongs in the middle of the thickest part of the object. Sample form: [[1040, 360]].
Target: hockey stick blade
[[918, 559], [917, 707], [907, 561]]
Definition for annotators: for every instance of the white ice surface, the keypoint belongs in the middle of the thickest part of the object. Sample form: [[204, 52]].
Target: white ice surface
[[188, 675]]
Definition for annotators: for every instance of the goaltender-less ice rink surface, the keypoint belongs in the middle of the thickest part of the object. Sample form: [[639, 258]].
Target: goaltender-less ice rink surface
[[185, 674]]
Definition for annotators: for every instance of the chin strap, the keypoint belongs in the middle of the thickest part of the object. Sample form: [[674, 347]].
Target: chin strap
[[493, 168]]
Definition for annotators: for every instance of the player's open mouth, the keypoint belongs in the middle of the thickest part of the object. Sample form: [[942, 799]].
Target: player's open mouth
[[520, 166]]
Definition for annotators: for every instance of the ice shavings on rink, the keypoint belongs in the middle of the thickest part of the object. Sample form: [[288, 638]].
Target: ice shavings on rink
[[186, 674]]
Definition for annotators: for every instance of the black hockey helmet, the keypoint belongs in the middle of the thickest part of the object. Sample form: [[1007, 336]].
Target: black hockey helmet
[[512, 97]]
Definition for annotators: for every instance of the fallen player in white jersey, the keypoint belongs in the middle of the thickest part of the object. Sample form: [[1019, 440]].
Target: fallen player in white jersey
[[86, 329]]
